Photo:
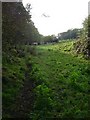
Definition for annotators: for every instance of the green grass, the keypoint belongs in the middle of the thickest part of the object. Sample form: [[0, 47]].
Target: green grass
[[60, 76], [62, 82], [14, 67]]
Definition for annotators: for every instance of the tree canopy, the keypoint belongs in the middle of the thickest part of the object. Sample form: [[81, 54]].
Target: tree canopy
[[70, 34], [17, 26]]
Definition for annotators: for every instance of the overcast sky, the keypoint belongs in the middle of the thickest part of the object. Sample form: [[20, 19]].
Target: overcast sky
[[55, 16]]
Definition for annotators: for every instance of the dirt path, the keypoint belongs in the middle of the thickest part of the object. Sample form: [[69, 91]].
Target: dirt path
[[25, 99]]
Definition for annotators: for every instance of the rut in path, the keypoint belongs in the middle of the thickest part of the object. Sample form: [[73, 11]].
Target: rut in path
[[25, 99]]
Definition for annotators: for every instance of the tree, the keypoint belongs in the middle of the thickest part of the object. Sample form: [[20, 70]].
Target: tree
[[70, 34], [83, 44], [88, 46], [17, 25], [15, 18]]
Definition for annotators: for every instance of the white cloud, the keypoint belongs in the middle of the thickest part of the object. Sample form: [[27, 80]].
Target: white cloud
[[64, 14]]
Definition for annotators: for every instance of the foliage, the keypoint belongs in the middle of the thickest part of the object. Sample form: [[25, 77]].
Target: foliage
[[31, 33], [17, 26], [14, 17], [16, 71], [62, 82], [70, 34], [83, 43], [61, 77], [49, 39]]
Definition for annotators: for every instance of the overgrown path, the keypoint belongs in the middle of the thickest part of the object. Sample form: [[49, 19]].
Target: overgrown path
[[18, 85], [52, 83], [25, 99], [62, 82]]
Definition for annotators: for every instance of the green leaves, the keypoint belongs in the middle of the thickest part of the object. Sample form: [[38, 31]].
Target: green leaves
[[44, 102], [63, 90], [83, 44]]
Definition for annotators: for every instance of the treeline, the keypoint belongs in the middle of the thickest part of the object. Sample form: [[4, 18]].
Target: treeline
[[49, 39], [17, 26], [70, 34]]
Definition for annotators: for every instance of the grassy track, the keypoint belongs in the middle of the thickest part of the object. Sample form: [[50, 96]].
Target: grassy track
[[62, 82], [51, 82]]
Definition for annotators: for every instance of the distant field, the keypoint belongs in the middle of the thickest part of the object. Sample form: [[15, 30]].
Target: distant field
[[62, 82]]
